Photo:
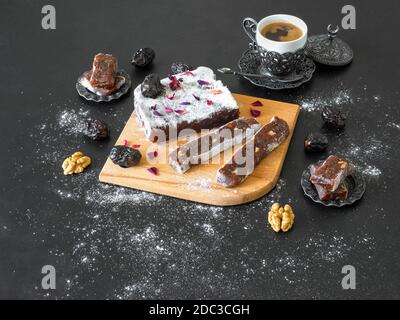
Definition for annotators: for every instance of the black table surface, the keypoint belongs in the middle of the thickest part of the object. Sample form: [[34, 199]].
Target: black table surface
[[111, 242]]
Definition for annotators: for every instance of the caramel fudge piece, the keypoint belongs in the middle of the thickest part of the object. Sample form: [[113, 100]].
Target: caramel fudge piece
[[331, 173]]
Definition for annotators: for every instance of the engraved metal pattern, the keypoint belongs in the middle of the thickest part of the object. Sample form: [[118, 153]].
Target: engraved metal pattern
[[251, 62], [85, 93], [328, 49], [355, 182]]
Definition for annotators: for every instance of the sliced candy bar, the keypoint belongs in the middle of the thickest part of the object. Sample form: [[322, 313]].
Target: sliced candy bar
[[207, 146], [243, 162], [341, 193], [331, 173]]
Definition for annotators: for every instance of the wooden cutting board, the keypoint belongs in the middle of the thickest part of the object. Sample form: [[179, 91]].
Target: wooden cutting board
[[199, 183]]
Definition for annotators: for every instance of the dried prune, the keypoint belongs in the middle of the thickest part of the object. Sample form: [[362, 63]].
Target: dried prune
[[151, 86], [333, 118], [125, 156], [179, 67], [96, 129], [143, 57], [316, 142]]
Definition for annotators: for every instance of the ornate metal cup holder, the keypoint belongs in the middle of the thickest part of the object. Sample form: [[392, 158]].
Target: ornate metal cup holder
[[252, 62]]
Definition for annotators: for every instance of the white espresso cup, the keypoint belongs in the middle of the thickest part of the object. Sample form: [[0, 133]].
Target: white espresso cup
[[278, 57]]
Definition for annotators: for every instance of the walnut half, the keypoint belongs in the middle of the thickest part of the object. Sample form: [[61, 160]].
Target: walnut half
[[76, 163], [281, 218]]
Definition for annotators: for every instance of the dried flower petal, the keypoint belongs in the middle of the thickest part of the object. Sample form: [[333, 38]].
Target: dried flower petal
[[174, 84], [215, 92], [152, 154], [180, 112], [171, 97], [257, 103], [203, 82], [185, 103], [153, 170], [255, 113], [125, 143], [136, 146], [156, 113], [196, 97], [168, 110], [188, 73], [209, 102]]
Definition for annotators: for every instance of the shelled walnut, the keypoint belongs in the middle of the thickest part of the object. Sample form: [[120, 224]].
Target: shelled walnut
[[281, 218], [76, 163]]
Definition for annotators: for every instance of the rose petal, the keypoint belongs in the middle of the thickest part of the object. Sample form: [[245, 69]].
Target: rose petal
[[203, 83], [180, 112], [257, 103], [136, 146], [215, 92], [188, 73], [125, 143], [185, 103], [255, 113], [209, 102], [168, 110], [196, 97], [171, 97], [152, 154], [174, 84], [156, 113], [153, 170]]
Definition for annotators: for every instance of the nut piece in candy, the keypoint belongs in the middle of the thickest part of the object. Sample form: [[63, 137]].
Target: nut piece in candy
[[96, 129], [143, 57], [125, 156], [316, 142], [76, 163], [179, 67], [333, 118], [151, 86], [281, 218]]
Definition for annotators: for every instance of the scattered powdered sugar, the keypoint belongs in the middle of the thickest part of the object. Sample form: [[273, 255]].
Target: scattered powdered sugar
[[315, 102], [372, 171], [72, 121], [205, 184], [394, 125]]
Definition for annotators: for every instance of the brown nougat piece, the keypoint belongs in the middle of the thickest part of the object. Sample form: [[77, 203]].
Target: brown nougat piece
[[331, 173], [341, 193]]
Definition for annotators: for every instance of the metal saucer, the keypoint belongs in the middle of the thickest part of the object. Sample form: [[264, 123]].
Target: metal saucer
[[88, 95], [355, 182], [250, 62]]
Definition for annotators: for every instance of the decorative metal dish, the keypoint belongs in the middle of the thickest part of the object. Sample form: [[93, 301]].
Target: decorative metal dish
[[251, 62], [355, 182], [88, 95]]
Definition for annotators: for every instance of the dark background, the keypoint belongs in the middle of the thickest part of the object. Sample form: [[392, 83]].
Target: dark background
[[107, 242]]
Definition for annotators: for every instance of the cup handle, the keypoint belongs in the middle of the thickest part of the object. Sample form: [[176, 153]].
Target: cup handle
[[250, 27]]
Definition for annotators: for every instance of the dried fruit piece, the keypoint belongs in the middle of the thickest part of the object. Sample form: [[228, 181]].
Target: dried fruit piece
[[281, 218], [151, 86], [179, 67], [125, 156], [76, 163], [95, 129], [333, 118], [143, 57], [316, 142]]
